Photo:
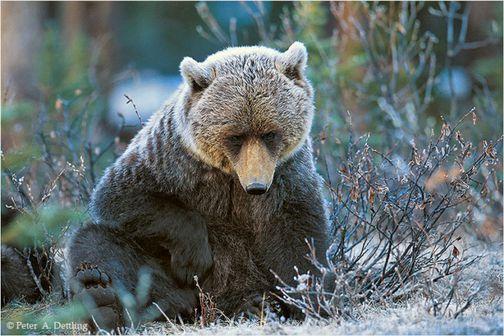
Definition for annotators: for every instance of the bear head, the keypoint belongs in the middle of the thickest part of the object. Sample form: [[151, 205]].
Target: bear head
[[246, 110]]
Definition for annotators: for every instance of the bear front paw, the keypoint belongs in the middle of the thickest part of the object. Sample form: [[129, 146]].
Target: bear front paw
[[93, 288], [185, 264]]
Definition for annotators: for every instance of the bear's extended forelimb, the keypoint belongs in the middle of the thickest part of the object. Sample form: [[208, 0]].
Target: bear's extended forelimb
[[154, 219]]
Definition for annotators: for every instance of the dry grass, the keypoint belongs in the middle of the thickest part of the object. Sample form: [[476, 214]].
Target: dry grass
[[484, 316]]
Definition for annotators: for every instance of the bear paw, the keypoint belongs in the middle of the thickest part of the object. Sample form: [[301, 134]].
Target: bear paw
[[93, 288]]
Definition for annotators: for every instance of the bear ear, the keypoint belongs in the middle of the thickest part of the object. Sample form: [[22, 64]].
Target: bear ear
[[292, 63], [195, 74]]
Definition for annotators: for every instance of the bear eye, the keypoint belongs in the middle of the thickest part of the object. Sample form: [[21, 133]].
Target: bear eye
[[268, 137], [235, 143], [236, 139]]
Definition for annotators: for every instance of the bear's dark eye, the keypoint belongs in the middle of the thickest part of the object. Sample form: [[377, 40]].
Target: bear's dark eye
[[236, 139], [272, 140], [235, 142], [269, 137]]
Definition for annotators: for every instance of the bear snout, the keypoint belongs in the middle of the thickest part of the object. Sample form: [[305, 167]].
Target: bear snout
[[256, 188]]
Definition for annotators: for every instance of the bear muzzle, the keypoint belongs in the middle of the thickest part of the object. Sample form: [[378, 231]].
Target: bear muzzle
[[255, 167]]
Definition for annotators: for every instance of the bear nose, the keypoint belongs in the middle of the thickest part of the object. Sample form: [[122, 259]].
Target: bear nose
[[256, 188]]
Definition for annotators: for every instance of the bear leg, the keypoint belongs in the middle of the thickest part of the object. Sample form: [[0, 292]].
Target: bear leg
[[104, 262]]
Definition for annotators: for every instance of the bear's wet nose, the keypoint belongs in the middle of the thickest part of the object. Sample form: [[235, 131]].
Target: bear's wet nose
[[256, 188]]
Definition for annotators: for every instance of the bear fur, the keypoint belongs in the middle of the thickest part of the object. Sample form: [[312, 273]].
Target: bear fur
[[220, 183], [17, 282]]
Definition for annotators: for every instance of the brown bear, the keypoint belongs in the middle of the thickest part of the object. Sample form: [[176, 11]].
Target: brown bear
[[220, 183]]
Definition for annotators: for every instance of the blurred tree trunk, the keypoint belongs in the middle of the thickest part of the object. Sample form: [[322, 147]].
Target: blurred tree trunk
[[21, 31], [93, 19], [73, 20], [101, 19]]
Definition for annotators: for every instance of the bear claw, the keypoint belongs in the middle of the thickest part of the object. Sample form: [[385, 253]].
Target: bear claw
[[90, 276]]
